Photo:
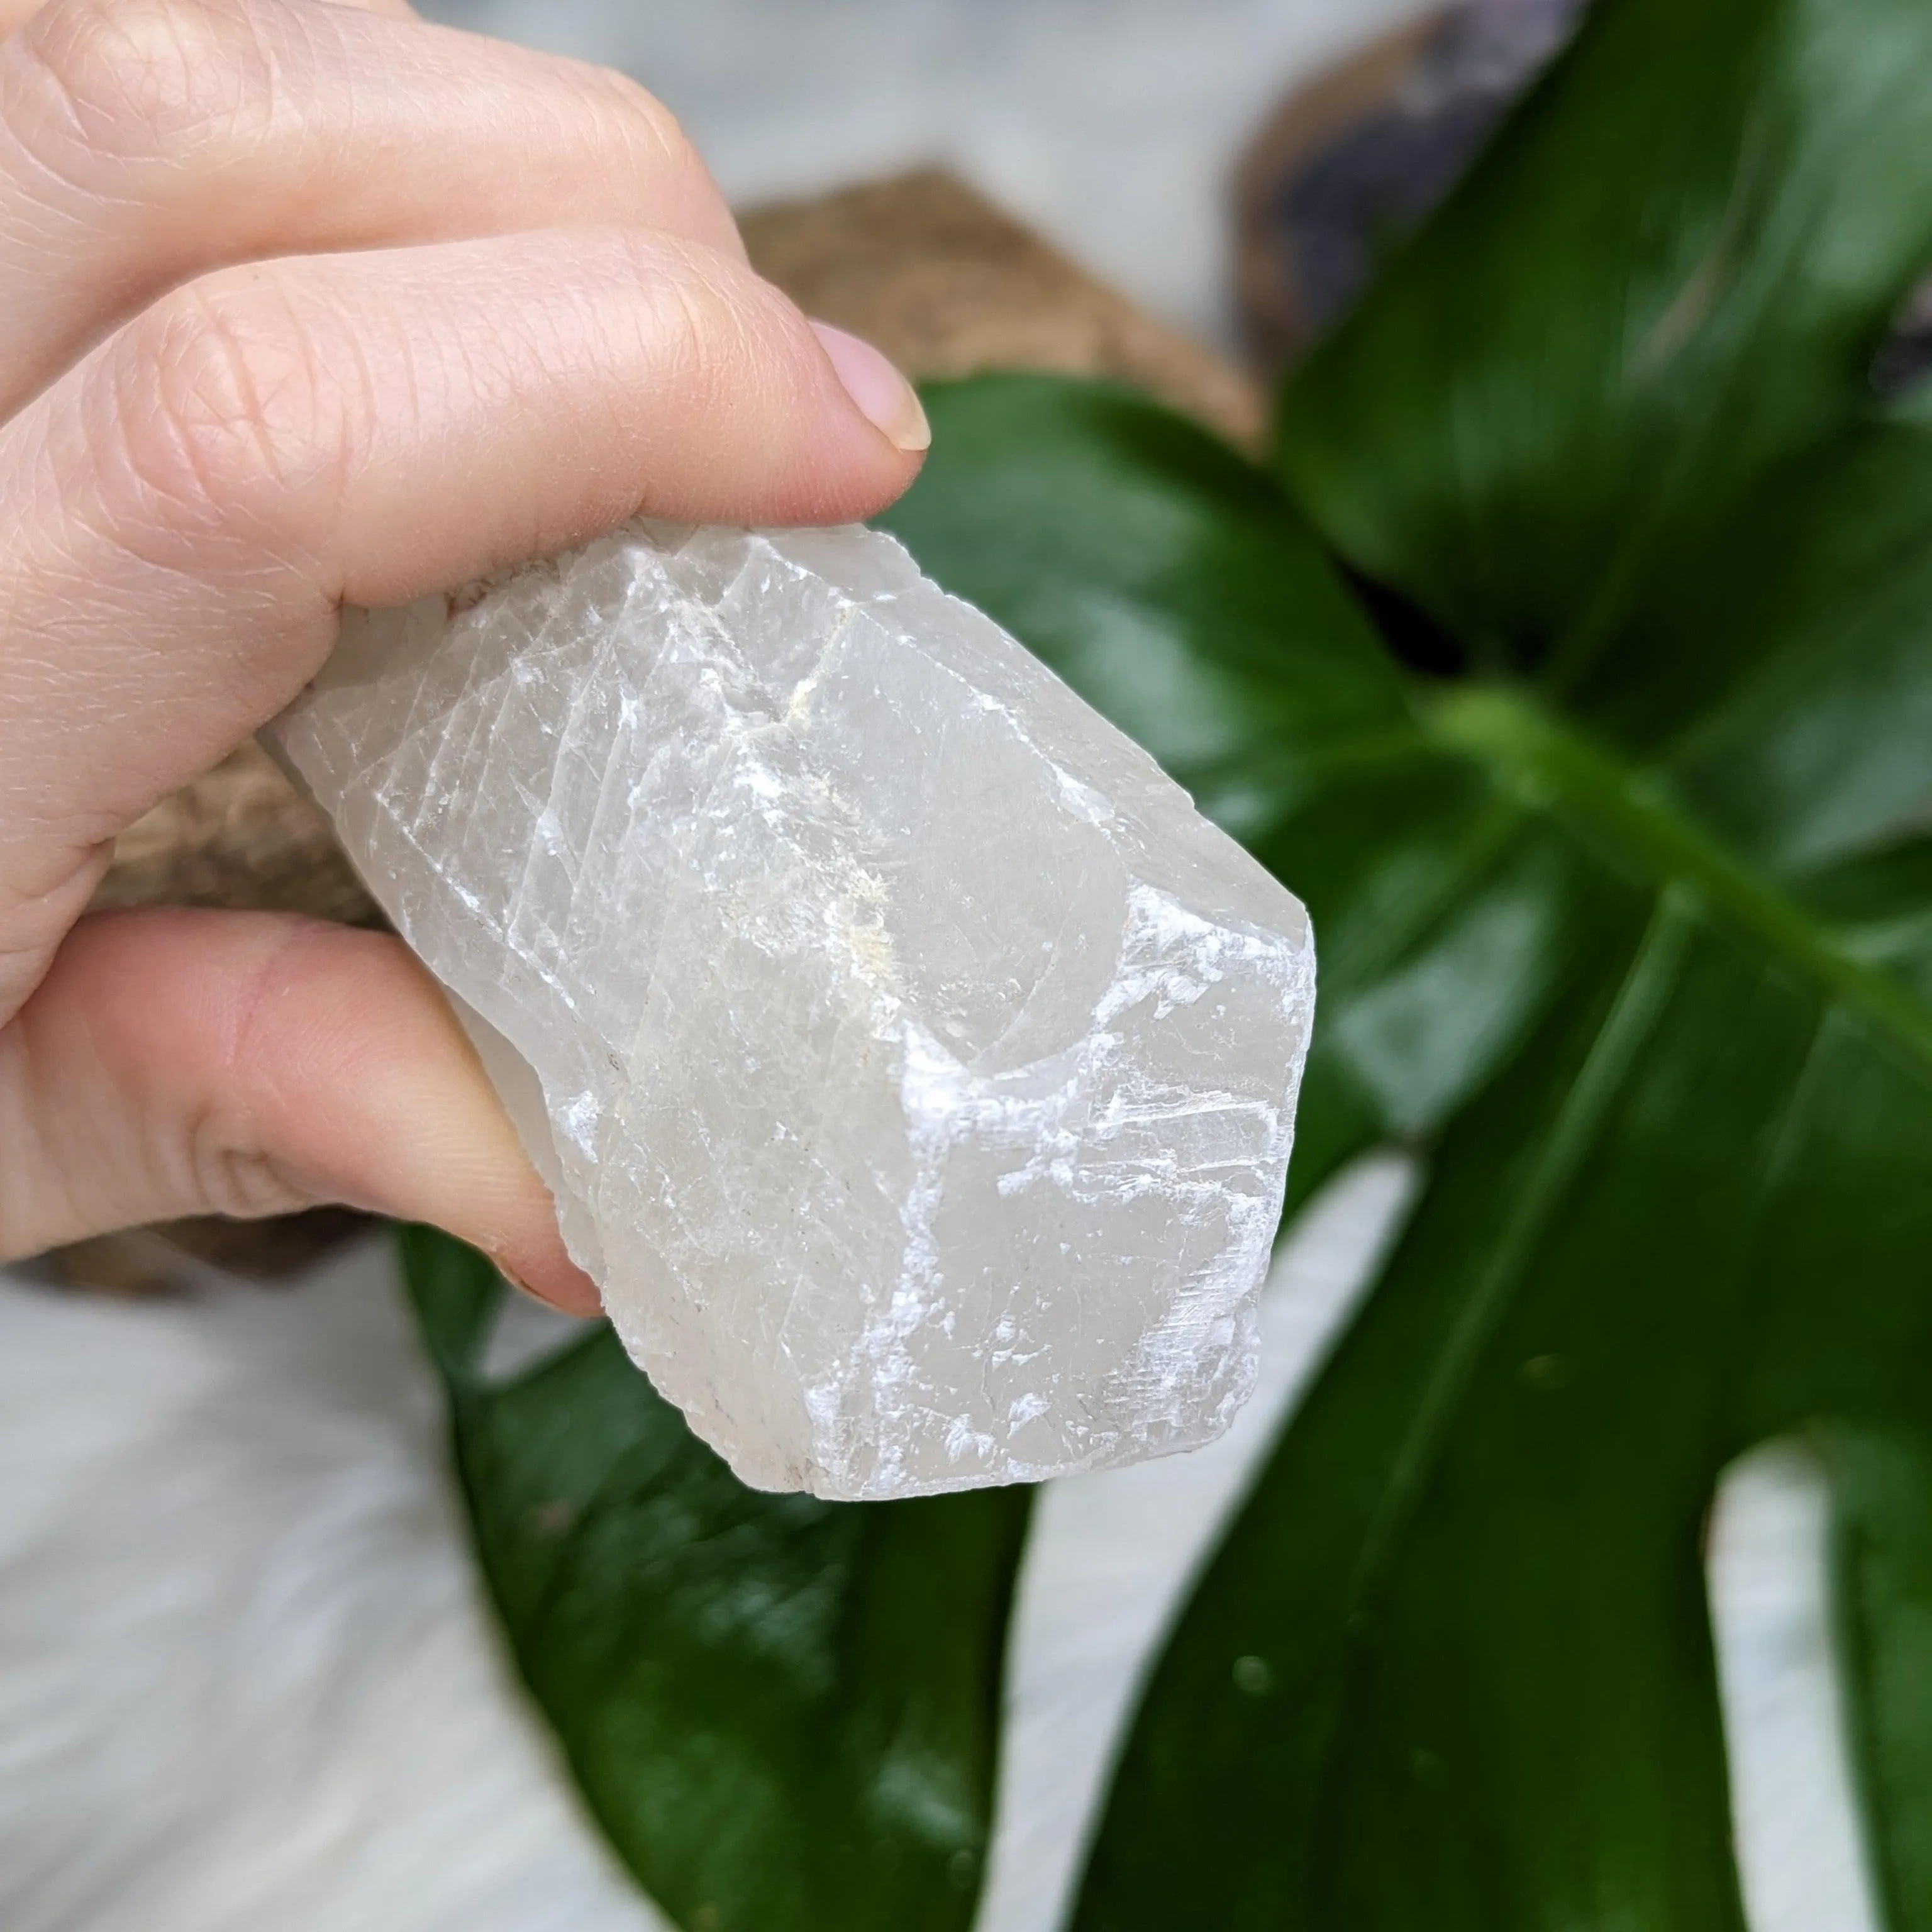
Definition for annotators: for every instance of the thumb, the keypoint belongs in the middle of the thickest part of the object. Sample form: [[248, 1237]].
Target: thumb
[[174, 1063]]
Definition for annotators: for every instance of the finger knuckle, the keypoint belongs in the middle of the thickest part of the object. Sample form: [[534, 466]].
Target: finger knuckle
[[238, 1186], [701, 316], [133, 80], [652, 145], [227, 412], [650, 124], [236, 1145]]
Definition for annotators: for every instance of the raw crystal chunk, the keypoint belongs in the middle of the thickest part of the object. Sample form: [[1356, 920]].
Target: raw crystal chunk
[[914, 1069]]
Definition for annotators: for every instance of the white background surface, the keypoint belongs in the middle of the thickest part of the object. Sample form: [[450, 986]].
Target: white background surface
[[1108, 124], [245, 1681]]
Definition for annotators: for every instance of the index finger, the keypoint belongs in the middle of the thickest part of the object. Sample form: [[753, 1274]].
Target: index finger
[[182, 514]]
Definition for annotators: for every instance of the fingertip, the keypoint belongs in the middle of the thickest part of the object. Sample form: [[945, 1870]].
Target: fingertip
[[557, 1282], [877, 389]]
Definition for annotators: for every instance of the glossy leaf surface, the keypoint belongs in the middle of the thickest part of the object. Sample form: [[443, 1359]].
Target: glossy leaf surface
[[782, 1711], [1453, 1664], [1627, 930], [1661, 287]]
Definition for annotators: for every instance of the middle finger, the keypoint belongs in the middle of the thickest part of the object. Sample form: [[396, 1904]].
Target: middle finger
[[143, 142]]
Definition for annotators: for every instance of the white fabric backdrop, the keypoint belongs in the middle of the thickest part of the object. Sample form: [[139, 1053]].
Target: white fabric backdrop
[[246, 1680]]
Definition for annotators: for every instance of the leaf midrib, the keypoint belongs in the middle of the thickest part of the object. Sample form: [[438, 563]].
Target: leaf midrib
[[1646, 985], [1548, 765]]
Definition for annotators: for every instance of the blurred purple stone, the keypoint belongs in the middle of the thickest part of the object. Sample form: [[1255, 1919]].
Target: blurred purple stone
[[1352, 162]]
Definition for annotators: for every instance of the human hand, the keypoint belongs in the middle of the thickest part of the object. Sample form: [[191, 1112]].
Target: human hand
[[301, 304]]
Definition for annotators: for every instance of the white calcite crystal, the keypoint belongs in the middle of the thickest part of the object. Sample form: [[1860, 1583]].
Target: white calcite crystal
[[914, 1069]]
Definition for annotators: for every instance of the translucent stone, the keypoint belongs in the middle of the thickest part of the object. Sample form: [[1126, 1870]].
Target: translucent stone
[[914, 1067]]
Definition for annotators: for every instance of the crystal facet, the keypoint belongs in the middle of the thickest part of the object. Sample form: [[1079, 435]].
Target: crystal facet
[[914, 1067]]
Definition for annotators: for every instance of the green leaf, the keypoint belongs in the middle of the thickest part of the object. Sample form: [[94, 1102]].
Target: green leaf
[[1817, 607], [1453, 1664], [1628, 935], [782, 1711], [1608, 424], [1881, 1480], [1662, 283]]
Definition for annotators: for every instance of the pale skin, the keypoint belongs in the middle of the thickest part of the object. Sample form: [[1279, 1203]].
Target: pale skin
[[305, 304]]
